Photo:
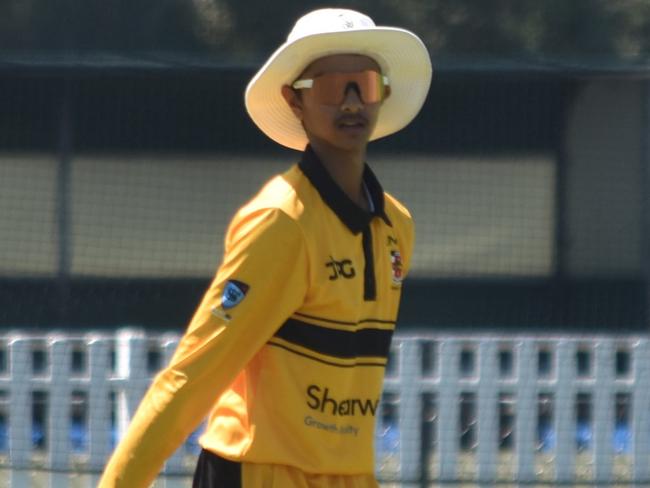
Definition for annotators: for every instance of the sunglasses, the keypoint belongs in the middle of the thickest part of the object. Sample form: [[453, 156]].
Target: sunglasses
[[331, 88]]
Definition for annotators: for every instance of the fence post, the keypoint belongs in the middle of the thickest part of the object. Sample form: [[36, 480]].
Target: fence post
[[604, 396], [487, 412], [565, 452], [20, 403], [387, 451], [449, 401], [131, 366], [99, 406], [59, 403], [641, 411], [526, 421], [410, 410], [20, 446]]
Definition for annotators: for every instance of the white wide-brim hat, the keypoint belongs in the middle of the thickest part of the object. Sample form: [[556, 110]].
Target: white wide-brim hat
[[400, 54]]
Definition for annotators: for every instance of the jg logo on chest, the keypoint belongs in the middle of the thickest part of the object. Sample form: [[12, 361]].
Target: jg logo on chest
[[340, 269]]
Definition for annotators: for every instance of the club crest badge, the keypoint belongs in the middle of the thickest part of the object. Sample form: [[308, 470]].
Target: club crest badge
[[233, 293], [396, 267]]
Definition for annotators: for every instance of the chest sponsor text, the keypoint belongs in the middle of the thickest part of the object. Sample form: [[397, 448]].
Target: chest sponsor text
[[321, 400]]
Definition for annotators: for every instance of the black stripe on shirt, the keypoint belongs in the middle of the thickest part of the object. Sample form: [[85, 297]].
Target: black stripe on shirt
[[344, 344], [366, 362], [369, 285], [342, 322]]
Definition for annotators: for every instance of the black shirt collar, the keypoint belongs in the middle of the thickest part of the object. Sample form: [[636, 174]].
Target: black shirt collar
[[353, 216]]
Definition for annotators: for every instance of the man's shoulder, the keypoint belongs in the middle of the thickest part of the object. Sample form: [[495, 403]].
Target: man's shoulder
[[282, 192], [396, 210]]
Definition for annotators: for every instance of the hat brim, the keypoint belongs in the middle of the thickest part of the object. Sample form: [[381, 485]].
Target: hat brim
[[401, 55]]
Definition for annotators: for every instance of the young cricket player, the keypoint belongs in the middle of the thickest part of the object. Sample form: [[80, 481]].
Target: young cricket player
[[287, 351]]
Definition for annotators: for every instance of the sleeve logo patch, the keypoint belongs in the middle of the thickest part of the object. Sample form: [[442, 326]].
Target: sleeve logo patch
[[396, 264], [233, 293]]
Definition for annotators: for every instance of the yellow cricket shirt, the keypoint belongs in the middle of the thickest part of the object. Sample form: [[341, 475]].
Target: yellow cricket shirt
[[288, 348]]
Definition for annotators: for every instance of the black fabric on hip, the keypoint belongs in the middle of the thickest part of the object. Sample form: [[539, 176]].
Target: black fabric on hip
[[213, 471]]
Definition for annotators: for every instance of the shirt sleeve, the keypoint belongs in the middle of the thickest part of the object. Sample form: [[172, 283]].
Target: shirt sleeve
[[262, 281]]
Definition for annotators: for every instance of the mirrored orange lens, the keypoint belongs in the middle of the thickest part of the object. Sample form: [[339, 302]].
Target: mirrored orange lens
[[331, 88]]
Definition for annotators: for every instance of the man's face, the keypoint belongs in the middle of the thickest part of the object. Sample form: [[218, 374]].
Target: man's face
[[348, 122]]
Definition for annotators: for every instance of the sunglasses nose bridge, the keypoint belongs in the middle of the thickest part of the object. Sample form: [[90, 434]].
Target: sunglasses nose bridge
[[353, 88]]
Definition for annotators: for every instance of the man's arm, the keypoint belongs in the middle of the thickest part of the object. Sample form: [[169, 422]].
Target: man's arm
[[266, 262]]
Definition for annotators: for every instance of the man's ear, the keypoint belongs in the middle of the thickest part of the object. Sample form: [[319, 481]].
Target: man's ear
[[293, 100]]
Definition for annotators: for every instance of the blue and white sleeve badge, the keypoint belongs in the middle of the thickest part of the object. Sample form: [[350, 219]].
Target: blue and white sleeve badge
[[233, 293]]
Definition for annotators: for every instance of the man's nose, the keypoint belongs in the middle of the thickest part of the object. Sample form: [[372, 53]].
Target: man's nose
[[352, 101]]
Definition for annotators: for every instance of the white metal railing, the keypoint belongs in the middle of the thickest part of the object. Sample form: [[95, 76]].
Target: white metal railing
[[474, 407], [524, 388], [66, 398]]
